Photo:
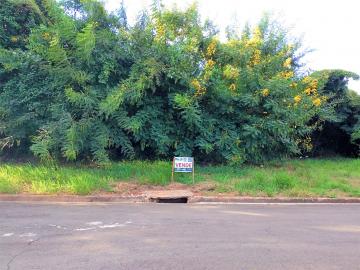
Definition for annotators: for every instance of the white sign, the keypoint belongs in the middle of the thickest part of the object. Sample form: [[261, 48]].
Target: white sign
[[183, 164]]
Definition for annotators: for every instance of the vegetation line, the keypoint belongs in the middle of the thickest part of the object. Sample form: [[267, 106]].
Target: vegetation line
[[295, 178]]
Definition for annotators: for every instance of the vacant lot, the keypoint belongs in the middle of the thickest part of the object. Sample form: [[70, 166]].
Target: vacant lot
[[295, 178]]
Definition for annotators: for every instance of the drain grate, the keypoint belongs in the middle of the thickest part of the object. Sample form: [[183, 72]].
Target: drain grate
[[170, 200]]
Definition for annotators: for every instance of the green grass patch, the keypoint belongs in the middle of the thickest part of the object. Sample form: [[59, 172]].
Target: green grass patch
[[293, 178]]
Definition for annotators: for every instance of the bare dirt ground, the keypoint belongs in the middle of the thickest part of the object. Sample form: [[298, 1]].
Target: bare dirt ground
[[134, 189]]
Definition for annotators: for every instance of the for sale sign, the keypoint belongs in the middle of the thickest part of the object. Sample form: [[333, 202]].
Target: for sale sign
[[183, 164]]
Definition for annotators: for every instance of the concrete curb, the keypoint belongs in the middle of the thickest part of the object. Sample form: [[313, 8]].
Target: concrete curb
[[214, 199], [144, 199], [70, 198]]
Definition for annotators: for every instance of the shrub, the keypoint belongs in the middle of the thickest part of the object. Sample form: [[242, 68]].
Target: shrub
[[90, 86]]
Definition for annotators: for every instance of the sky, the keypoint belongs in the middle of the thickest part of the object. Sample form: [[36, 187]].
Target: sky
[[330, 28]]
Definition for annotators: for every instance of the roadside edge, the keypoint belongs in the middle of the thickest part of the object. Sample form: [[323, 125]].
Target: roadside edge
[[145, 199]]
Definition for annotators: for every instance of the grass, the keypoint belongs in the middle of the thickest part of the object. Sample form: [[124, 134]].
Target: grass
[[293, 178]]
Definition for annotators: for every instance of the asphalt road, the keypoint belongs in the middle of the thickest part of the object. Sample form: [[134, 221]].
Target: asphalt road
[[178, 236]]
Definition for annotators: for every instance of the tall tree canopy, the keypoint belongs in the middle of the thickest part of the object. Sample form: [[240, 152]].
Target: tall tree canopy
[[340, 133], [18, 17], [87, 85]]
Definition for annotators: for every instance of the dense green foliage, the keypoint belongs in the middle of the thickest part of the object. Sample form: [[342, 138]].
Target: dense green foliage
[[17, 18], [83, 84], [341, 133]]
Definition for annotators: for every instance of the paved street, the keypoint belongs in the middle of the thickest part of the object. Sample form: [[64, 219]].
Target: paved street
[[178, 236]]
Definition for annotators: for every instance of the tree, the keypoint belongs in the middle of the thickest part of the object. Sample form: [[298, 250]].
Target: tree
[[89, 86], [338, 134], [17, 18]]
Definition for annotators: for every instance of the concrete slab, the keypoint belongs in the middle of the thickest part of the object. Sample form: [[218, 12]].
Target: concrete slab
[[167, 194]]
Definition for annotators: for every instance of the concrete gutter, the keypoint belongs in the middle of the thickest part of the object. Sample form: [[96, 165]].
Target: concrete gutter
[[146, 198], [69, 198], [238, 199]]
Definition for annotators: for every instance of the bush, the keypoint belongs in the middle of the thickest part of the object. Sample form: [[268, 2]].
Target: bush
[[340, 133], [93, 87]]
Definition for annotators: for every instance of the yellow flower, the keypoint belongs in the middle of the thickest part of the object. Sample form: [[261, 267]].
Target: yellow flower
[[255, 59], [196, 84], [307, 79], [231, 72], [210, 64], [287, 74], [257, 32], [200, 90], [314, 84], [210, 51], [46, 36], [232, 87], [14, 39], [287, 63], [307, 91], [297, 99], [256, 38], [317, 102], [265, 92], [160, 31], [293, 85]]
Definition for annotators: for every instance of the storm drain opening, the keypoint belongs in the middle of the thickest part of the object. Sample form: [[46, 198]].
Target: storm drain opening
[[168, 196], [170, 200]]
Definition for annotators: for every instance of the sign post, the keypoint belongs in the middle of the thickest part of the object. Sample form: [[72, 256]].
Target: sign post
[[183, 164]]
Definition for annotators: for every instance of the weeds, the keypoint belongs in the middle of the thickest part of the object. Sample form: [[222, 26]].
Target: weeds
[[299, 178]]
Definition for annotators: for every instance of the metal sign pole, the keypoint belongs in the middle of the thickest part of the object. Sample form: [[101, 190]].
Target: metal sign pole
[[193, 171], [172, 171]]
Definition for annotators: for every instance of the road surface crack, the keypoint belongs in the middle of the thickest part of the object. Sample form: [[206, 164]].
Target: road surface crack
[[24, 250]]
